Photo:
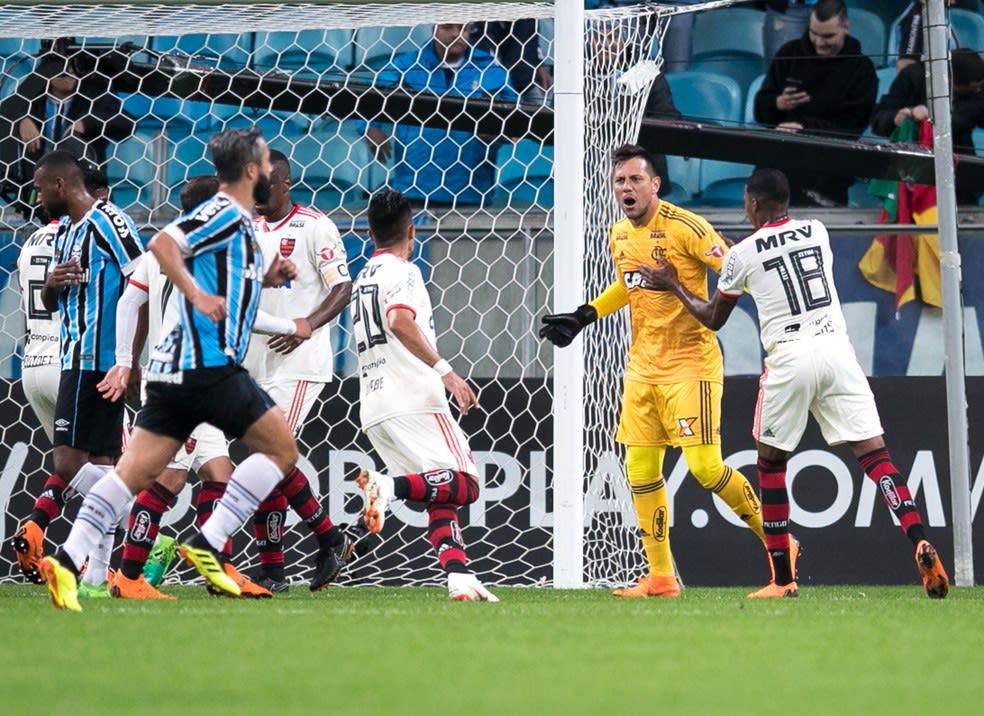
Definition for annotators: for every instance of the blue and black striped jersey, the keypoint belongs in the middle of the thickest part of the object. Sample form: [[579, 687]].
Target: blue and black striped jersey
[[222, 254], [106, 244]]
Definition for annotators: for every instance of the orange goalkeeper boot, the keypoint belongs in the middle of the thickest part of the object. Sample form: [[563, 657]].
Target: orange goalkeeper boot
[[776, 591], [139, 588], [934, 578], [651, 585], [247, 588]]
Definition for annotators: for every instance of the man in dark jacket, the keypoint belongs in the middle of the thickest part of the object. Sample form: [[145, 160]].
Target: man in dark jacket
[[54, 107], [907, 98], [819, 84]]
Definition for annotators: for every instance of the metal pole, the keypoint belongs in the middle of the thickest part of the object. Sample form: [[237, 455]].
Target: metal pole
[[568, 292], [938, 95]]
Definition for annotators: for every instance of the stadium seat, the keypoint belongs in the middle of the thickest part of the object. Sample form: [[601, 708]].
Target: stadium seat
[[375, 46], [968, 26], [272, 122], [524, 174], [731, 31], [17, 59], [722, 183], [869, 29], [978, 137], [685, 178], [188, 158], [886, 75], [886, 10], [310, 51], [753, 89], [330, 167], [131, 170], [221, 50], [545, 30], [706, 97], [858, 196]]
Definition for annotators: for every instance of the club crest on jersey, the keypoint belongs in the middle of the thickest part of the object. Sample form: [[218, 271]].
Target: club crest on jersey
[[686, 427], [287, 247], [327, 253], [190, 444], [715, 251], [658, 253]]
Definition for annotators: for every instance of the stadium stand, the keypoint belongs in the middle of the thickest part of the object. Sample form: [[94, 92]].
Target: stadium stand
[[706, 96], [869, 29]]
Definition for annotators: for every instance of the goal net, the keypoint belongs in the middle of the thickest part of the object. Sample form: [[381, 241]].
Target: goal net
[[336, 88]]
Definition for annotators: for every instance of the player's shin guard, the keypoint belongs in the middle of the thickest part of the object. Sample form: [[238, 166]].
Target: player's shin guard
[[442, 487], [445, 537], [268, 531], [879, 467], [727, 483], [49, 505], [143, 526], [251, 482], [297, 489], [208, 494], [775, 517], [643, 466], [100, 511]]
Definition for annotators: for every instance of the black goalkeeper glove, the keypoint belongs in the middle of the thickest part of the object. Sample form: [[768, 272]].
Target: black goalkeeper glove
[[561, 328]]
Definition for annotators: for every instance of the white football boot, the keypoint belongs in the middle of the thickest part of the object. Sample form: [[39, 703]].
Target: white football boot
[[465, 587]]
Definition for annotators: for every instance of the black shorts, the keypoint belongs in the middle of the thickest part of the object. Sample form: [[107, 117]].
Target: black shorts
[[84, 419], [226, 397]]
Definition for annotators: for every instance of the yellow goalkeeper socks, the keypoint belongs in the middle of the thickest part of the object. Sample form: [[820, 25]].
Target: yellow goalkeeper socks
[[651, 506], [727, 483]]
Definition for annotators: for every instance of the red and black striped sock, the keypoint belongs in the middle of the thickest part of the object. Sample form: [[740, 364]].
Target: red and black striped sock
[[896, 496], [775, 516], [208, 494], [439, 487], [298, 491], [445, 537], [268, 531], [143, 526], [48, 506]]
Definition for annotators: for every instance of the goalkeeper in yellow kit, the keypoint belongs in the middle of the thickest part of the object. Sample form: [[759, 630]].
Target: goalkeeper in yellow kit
[[675, 373]]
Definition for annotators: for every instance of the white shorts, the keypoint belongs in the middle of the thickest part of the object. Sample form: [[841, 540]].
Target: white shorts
[[40, 385], [421, 442], [295, 397], [205, 443], [821, 376]]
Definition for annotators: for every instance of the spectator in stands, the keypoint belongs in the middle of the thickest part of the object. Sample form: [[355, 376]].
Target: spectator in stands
[[819, 84], [785, 21], [907, 98], [55, 107], [516, 45], [433, 165], [911, 35]]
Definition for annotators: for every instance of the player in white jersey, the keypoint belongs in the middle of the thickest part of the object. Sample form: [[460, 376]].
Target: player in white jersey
[[811, 367], [292, 370], [404, 407]]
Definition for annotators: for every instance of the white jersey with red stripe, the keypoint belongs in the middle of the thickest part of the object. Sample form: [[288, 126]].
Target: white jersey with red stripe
[[43, 327], [311, 240], [162, 306], [788, 268], [392, 380]]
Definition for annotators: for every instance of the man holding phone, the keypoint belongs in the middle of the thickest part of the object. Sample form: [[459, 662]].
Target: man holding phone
[[820, 84]]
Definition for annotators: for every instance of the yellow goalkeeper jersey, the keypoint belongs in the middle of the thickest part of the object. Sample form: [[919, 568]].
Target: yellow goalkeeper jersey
[[669, 345]]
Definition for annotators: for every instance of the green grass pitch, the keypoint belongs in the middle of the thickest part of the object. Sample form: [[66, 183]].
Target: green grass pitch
[[835, 650]]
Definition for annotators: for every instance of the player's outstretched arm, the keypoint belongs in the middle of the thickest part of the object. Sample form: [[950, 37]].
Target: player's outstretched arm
[[663, 277], [561, 328]]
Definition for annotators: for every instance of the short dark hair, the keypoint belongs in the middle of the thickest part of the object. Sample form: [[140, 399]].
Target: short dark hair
[[634, 151], [826, 9], [197, 190], [93, 176], [232, 150], [966, 66], [63, 163], [278, 158], [389, 216], [768, 185]]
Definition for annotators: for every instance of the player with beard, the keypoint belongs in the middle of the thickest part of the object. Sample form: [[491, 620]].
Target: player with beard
[[195, 374]]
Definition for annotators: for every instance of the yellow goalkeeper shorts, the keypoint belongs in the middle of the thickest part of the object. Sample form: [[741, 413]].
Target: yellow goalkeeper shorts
[[676, 414]]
